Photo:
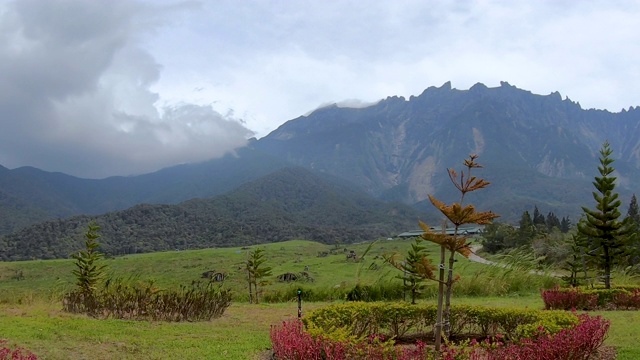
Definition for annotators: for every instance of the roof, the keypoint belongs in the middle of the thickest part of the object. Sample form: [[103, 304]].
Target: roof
[[467, 230]]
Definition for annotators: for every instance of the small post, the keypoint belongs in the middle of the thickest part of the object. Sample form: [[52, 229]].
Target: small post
[[299, 303]]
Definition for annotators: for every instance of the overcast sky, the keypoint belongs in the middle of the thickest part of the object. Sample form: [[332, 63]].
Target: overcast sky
[[119, 87]]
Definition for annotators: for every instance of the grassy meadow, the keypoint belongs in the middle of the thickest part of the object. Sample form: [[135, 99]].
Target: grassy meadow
[[31, 316]]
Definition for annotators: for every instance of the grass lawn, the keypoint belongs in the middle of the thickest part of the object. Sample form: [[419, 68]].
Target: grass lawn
[[31, 316], [241, 333]]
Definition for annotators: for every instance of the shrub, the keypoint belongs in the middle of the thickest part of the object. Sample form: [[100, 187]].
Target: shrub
[[576, 298], [567, 299], [376, 292], [401, 319], [580, 341], [7, 353], [121, 300], [627, 300], [576, 343]]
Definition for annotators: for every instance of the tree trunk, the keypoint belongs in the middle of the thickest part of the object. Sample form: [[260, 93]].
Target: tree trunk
[[607, 268], [255, 291], [438, 327], [447, 305], [250, 288]]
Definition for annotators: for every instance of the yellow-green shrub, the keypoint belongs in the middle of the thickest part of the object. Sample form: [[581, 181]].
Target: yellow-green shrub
[[402, 319]]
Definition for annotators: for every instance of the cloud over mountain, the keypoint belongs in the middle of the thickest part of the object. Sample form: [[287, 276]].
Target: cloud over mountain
[[76, 92]]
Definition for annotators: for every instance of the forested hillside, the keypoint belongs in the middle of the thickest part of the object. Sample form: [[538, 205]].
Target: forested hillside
[[292, 203]]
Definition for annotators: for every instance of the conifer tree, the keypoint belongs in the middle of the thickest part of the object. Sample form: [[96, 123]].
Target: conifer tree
[[255, 272], [538, 218], [634, 213], [416, 268], [606, 236], [552, 221], [574, 264], [458, 214], [526, 230], [565, 224], [89, 271]]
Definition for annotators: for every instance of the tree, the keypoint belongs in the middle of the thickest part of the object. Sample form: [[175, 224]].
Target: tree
[[574, 264], [255, 272], [498, 237], [538, 218], [634, 213], [606, 237], [552, 221], [527, 229], [458, 214], [416, 268], [89, 272], [565, 224]]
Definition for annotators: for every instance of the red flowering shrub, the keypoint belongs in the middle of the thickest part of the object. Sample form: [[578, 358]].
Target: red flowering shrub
[[291, 342], [6, 353], [627, 300], [577, 343], [568, 299]]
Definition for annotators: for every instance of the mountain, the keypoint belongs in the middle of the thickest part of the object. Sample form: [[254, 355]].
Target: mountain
[[290, 203], [537, 150], [29, 195]]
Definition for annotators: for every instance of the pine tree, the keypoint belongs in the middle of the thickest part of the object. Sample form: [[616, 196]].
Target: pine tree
[[565, 225], [538, 218], [606, 237], [458, 214], [89, 271], [634, 213], [416, 268], [526, 231], [552, 221], [575, 263], [255, 272]]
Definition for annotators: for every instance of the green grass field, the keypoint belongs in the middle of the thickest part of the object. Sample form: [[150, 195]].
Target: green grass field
[[31, 316]]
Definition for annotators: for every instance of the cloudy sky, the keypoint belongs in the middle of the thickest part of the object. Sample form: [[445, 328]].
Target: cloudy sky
[[120, 87]]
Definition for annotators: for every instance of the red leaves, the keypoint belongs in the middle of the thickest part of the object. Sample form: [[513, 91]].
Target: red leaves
[[291, 342], [16, 354], [557, 299], [576, 343]]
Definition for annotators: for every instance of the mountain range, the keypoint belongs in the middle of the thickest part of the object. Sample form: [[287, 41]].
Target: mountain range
[[537, 150]]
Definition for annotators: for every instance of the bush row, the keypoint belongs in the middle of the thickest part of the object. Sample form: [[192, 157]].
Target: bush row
[[404, 320], [122, 300], [581, 341], [619, 298]]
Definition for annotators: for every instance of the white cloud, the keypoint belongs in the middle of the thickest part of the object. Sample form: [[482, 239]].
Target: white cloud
[[108, 73], [77, 98]]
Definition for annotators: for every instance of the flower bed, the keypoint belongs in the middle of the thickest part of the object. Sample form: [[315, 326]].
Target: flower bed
[[291, 341]]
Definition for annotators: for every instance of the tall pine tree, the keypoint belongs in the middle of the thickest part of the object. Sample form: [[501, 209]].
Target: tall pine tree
[[634, 213], [606, 237]]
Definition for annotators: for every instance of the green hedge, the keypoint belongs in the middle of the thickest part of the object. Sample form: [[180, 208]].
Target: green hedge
[[401, 319]]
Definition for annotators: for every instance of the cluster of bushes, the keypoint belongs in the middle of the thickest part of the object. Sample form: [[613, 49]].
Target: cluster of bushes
[[619, 298], [578, 341], [402, 320], [122, 300], [115, 298], [17, 353]]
